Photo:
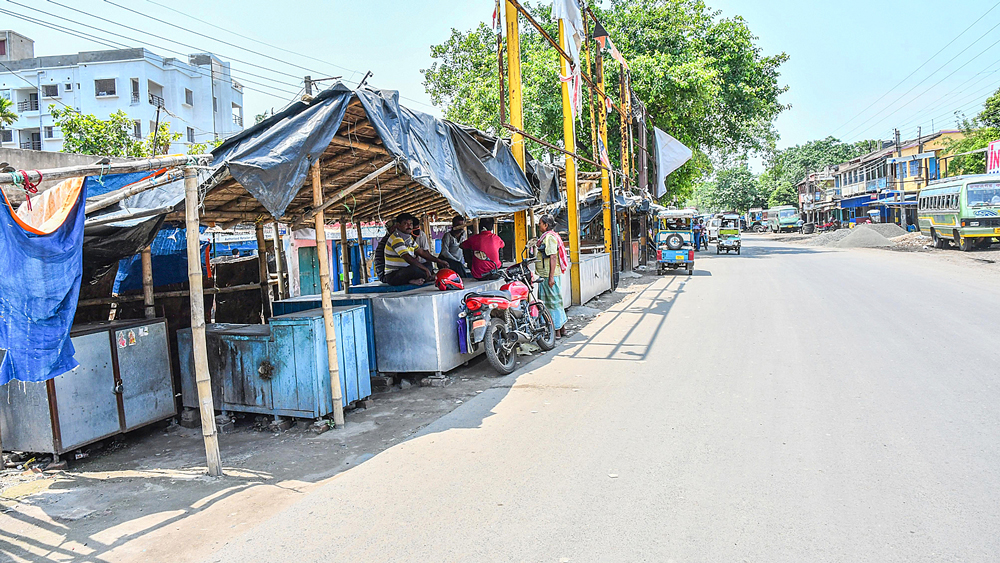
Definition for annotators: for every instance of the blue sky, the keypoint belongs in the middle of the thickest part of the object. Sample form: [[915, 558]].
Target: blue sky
[[844, 55]]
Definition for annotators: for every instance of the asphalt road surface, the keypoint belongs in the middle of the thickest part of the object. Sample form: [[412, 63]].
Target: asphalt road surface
[[789, 404]]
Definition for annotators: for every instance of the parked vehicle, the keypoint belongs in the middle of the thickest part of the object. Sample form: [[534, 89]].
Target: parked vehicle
[[755, 220], [963, 210], [675, 241], [503, 319], [830, 226], [729, 235], [782, 218], [713, 227]]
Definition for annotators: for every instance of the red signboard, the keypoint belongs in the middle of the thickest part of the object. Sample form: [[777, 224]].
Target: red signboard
[[993, 158]]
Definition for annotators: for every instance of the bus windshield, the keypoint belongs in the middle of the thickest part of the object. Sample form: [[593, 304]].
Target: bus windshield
[[786, 213], [981, 195]]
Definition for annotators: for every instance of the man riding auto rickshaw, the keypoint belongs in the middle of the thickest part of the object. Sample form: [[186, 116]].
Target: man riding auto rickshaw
[[729, 234], [675, 240]]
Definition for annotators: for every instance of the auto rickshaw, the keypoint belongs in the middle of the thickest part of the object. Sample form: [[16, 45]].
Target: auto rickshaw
[[675, 240], [729, 234]]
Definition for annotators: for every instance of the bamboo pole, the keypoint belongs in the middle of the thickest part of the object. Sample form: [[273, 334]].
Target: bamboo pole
[[279, 261], [358, 145], [98, 169], [572, 198], [198, 344], [324, 281], [265, 294], [345, 253], [147, 282]]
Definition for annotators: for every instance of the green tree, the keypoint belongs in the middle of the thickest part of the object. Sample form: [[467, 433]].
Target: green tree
[[702, 78], [7, 115], [736, 189], [978, 133], [87, 134], [204, 148], [792, 164], [164, 138], [784, 194]]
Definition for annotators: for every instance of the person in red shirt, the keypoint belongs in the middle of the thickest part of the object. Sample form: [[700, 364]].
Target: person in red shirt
[[482, 251]]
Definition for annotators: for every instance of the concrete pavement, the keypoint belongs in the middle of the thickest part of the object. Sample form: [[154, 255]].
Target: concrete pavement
[[789, 404]]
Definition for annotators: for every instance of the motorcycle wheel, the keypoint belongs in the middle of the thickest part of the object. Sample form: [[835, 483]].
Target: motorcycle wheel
[[502, 359], [547, 340]]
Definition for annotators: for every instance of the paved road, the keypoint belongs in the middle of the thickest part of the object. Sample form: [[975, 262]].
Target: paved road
[[788, 404]]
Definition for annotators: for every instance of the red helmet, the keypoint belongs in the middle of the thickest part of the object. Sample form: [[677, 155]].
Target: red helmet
[[448, 279]]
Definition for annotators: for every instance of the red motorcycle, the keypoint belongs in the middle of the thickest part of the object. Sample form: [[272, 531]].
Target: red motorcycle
[[503, 319]]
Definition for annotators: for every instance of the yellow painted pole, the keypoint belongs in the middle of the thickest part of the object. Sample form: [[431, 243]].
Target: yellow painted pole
[[602, 120], [572, 198], [516, 115]]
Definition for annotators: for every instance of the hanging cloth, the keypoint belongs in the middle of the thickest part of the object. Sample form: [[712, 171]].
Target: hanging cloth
[[41, 265]]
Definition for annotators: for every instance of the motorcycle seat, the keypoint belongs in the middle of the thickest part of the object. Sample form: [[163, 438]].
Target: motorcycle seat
[[495, 293]]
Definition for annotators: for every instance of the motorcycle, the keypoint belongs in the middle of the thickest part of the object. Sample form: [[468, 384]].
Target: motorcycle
[[503, 319]]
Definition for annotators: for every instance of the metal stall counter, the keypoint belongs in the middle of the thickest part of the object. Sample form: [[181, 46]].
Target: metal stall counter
[[123, 382], [282, 368]]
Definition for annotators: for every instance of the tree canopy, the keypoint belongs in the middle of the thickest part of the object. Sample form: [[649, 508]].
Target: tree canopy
[[979, 132], [7, 115], [701, 76], [88, 134]]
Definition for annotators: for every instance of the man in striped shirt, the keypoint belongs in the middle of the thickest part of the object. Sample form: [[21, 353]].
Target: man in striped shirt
[[402, 255]]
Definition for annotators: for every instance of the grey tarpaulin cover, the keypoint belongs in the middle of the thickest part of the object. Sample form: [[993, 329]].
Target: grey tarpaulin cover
[[271, 160]]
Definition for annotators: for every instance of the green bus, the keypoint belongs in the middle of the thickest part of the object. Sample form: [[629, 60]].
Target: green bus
[[782, 218], [964, 210]]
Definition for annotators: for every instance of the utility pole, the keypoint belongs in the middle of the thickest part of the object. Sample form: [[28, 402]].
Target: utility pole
[[572, 197], [901, 187], [516, 115], [309, 85]]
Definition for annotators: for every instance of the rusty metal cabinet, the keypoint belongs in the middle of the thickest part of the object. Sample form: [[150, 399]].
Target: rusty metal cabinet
[[123, 382]]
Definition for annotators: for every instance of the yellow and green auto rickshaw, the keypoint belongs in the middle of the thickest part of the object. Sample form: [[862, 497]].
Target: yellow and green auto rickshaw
[[675, 240], [729, 234]]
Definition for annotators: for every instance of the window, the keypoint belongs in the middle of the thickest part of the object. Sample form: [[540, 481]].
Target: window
[[6, 136], [50, 132], [68, 87], [105, 87], [836, 182], [215, 104], [50, 90], [190, 132], [5, 94], [137, 129], [3, 47], [914, 168], [188, 97], [902, 167]]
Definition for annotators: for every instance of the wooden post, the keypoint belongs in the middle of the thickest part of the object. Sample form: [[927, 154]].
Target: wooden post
[[198, 345], [361, 255], [345, 253], [265, 292], [572, 198], [516, 116], [325, 294], [279, 262], [147, 282]]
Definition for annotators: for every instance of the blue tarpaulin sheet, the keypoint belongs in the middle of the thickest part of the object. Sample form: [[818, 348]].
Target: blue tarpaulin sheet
[[39, 287], [169, 250]]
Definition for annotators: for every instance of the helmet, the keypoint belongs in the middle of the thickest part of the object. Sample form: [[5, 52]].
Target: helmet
[[448, 279]]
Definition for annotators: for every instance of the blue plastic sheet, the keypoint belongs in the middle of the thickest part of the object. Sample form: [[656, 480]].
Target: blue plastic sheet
[[39, 287], [169, 253]]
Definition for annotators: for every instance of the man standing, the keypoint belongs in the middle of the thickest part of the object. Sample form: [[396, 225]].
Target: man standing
[[402, 255], [482, 250], [451, 245]]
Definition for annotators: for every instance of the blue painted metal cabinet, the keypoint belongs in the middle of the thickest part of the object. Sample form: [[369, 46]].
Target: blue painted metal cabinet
[[306, 302], [281, 368]]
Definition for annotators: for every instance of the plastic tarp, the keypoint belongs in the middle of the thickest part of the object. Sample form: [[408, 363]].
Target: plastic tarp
[[271, 160], [40, 274], [169, 254]]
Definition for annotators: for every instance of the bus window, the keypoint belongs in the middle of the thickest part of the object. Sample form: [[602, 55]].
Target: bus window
[[981, 195]]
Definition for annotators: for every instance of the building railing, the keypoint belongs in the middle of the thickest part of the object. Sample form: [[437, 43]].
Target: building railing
[[156, 101], [27, 105], [31, 145], [135, 98], [238, 120]]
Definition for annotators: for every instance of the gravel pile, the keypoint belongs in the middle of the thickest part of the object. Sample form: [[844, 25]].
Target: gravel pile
[[829, 238], [888, 230], [862, 237], [910, 241]]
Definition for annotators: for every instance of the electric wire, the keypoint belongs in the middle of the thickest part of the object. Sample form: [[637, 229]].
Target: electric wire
[[63, 29], [962, 90], [916, 69], [169, 50]]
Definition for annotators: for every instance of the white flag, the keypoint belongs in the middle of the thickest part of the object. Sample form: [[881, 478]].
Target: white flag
[[671, 154]]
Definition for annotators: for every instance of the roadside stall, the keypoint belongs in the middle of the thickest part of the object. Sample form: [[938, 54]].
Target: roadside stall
[[360, 156]]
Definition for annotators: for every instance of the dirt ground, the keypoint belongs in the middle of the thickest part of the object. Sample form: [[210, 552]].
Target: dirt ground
[[144, 496]]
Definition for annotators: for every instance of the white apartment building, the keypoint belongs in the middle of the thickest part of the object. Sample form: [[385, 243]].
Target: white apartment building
[[199, 98]]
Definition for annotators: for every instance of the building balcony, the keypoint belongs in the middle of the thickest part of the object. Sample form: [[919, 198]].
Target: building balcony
[[27, 105], [135, 98], [156, 101], [31, 145], [238, 120]]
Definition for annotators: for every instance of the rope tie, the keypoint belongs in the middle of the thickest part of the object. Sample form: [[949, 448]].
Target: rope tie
[[29, 187]]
